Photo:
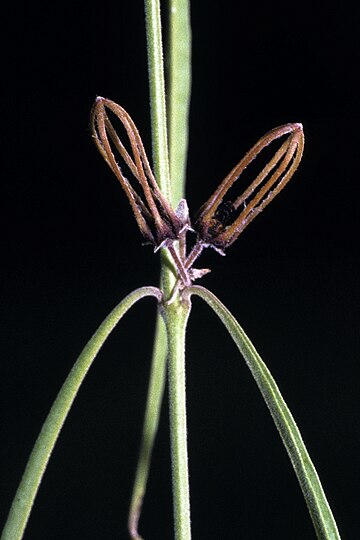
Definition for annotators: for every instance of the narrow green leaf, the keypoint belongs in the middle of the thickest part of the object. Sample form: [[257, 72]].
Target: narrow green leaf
[[40, 455], [318, 506], [179, 88]]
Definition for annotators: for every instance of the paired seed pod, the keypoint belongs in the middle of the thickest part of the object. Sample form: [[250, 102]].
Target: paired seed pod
[[220, 220]]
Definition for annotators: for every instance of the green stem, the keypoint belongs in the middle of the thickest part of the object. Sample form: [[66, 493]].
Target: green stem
[[323, 520], [179, 69], [40, 455], [151, 422], [179, 96], [158, 122], [176, 317], [157, 95]]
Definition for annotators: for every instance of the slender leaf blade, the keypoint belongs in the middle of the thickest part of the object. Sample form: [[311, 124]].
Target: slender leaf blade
[[44, 445], [321, 515]]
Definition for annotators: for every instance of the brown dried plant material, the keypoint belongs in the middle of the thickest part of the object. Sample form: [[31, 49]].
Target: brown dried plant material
[[220, 221], [158, 222]]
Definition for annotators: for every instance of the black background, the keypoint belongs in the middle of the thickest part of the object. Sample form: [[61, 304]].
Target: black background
[[71, 251]]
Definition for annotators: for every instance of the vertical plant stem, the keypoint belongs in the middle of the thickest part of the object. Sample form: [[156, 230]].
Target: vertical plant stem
[[179, 89], [176, 317], [40, 455], [151, 422], [161, 169], [176, 314], [158, 121], [157, 95]]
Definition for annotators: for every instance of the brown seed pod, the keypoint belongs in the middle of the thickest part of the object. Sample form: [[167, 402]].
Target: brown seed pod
[[220, 222], [157, 221]]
